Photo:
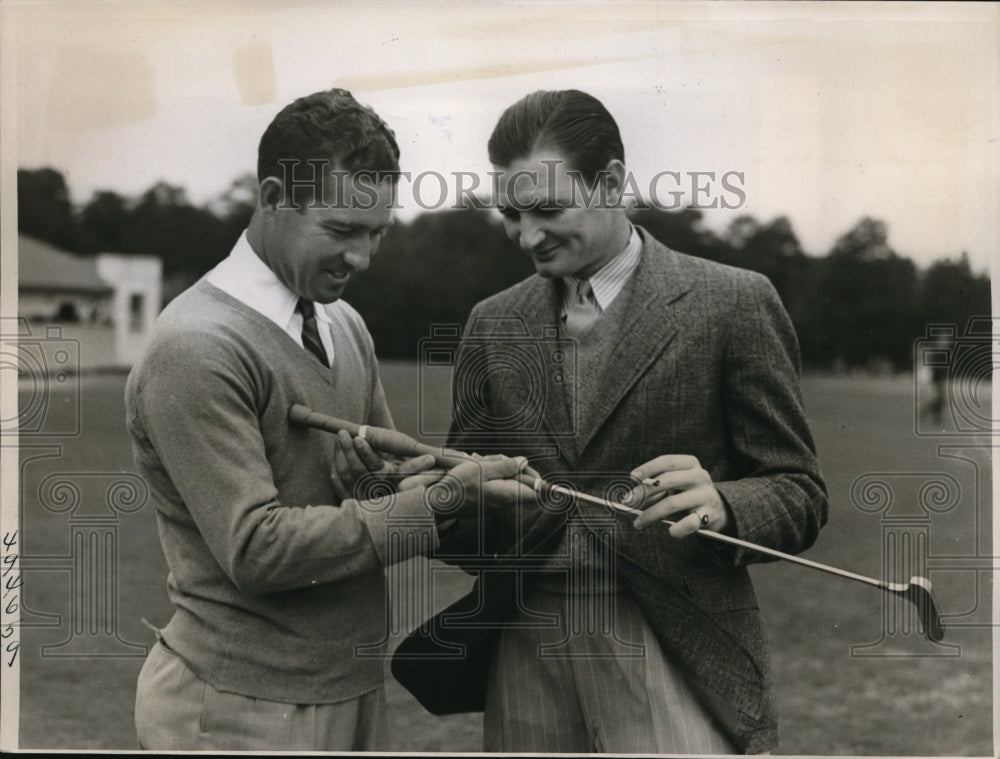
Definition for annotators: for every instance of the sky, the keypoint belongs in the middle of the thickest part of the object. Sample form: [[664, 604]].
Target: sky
[[824, 113]]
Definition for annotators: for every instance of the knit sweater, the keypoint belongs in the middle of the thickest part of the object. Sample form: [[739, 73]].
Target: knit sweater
[[276, 582]]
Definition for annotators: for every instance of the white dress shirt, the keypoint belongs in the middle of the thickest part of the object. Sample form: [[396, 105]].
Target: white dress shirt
[[248, 279]]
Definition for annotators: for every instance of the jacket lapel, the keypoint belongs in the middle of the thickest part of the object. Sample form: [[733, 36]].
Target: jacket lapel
[[538, 304], [649, 325]]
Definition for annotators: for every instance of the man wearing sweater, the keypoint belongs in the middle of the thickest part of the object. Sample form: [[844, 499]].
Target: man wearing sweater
[[276, 572], [632, 637]]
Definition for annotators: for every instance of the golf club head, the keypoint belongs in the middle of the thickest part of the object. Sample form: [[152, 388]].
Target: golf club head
[[919, 594]]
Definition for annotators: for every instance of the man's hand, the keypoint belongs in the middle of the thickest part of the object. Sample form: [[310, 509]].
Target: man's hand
[[489, 482], [354, 459], [677, 488]]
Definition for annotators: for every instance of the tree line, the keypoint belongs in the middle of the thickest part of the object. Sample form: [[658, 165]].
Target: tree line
[[860, 306]]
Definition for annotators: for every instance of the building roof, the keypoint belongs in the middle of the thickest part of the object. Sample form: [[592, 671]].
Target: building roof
[[42, 267]]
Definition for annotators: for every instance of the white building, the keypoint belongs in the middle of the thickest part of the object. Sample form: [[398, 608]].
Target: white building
[[107, 302]]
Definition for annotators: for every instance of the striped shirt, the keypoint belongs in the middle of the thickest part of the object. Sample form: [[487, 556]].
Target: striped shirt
[[611, 278]]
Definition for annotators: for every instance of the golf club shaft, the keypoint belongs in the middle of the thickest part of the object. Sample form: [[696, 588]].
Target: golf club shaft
[[718, 536], [398, 443]]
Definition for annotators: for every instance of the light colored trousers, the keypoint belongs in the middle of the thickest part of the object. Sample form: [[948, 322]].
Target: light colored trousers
[[175, 710], [584, 685]]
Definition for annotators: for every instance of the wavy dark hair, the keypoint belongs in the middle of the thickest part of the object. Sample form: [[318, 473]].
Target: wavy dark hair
[[575, 124], [330, 127]]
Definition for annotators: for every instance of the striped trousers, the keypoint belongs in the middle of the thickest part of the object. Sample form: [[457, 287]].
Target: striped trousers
[[591, 686]]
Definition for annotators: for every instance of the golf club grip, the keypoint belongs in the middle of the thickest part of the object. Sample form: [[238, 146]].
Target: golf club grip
[[392, 441], [379, 438]]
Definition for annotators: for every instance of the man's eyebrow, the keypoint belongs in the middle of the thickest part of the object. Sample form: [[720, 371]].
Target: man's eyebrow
[[551, 203], [536, 205], [347, 226]]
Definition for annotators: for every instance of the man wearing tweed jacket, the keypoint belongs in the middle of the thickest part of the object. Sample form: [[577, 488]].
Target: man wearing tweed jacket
[[677, 377]]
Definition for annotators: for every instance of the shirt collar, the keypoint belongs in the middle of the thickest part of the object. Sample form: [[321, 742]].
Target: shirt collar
[[244, 276], [609, 280]]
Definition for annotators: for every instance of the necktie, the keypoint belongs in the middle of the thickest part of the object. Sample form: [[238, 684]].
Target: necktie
[[582, 310], [310, 332]]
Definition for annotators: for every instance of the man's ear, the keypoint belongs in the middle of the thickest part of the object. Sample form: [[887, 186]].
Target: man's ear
[[270, 195], [614, 175]]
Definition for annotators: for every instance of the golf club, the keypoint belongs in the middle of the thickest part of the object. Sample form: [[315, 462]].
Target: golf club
[[917, 591]]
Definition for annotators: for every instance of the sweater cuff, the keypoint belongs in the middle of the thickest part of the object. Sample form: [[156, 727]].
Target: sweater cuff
[[401, 526]]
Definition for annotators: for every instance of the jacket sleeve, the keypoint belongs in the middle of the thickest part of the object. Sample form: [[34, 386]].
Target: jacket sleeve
[[778, 496], [195, 430]]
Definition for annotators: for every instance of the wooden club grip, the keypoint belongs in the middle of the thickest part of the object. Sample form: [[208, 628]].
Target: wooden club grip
[[379, 438]]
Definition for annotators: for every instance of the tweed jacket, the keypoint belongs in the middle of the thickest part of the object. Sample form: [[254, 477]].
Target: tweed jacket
[[703, 360]]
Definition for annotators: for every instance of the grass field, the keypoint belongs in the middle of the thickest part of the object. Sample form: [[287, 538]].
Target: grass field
[[910, 698]]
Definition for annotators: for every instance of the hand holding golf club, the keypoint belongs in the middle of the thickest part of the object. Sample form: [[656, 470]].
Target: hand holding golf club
[[676, 485], [462, 484], [354, 459], [489, 482]]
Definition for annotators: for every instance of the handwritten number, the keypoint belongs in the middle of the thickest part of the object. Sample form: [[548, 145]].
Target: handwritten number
[[12, 582]]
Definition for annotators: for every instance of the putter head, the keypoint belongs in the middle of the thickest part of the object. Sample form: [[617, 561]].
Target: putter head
[[918, 592]]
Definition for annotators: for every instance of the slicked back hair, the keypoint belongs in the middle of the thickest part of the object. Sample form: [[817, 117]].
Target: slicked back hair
[[327, 126], [573, 123]]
